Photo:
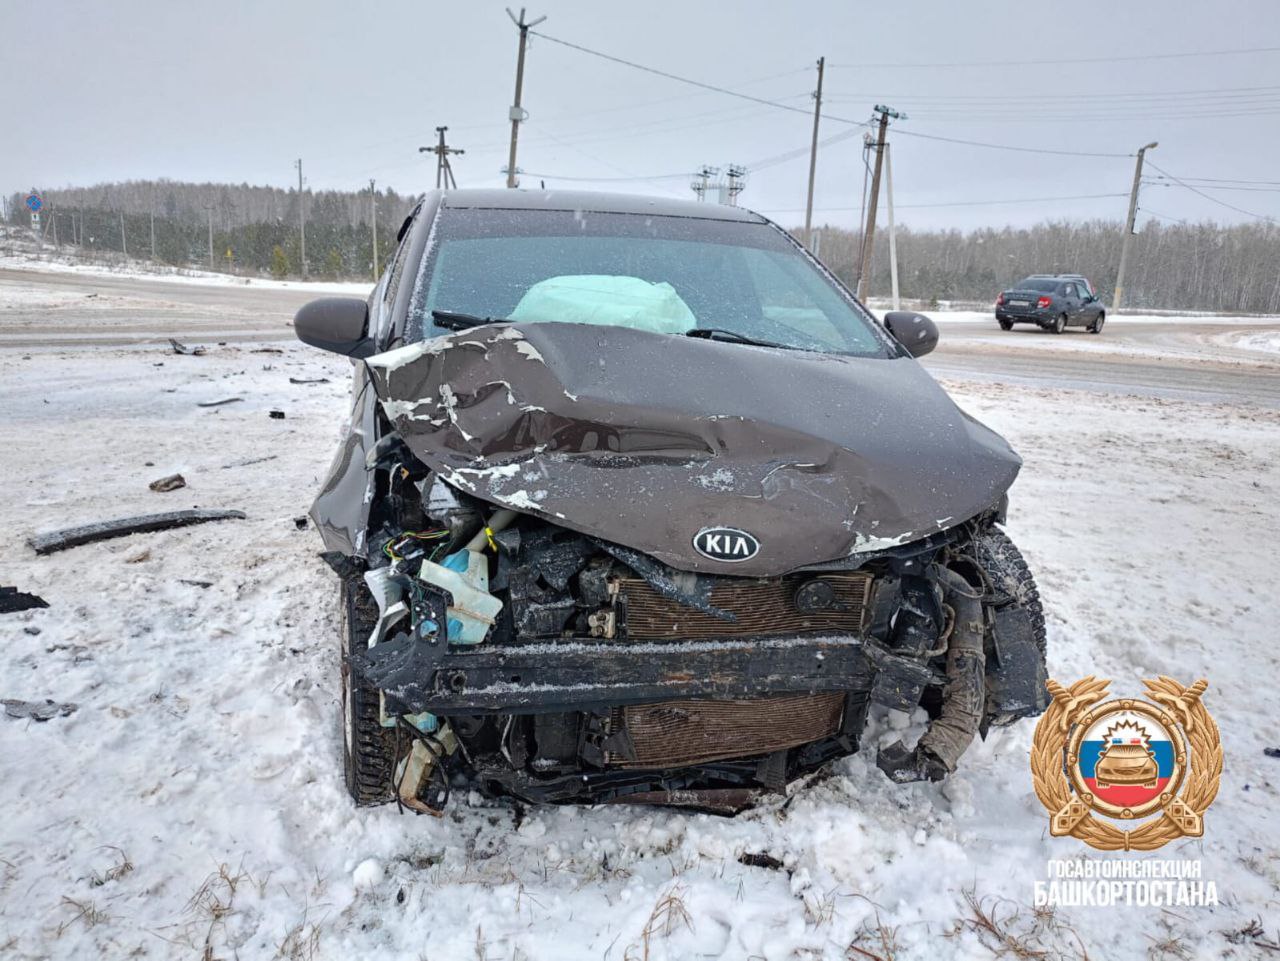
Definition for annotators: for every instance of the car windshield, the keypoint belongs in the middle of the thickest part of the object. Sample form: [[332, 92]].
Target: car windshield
[[1037, 283], [658, 273]]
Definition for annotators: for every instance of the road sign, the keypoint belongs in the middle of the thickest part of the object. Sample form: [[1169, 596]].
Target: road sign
[[34, 202]]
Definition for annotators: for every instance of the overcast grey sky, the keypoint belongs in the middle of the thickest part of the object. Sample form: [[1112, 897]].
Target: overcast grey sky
[[237, 90]]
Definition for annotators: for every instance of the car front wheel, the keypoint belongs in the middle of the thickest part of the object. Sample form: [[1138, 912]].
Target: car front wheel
[[1059, 324], [368, 749], [1006, 325], [1096, 326]]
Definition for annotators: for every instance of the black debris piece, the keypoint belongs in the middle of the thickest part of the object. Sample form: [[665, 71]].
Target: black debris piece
[[183, 580], [37, 710], [179, 348], [13, 600], [219, 403], [171, 483], [32, 630], [145, 524], [276, 414], [300, 522], [1271, 751], [308, 380], [760, 860]]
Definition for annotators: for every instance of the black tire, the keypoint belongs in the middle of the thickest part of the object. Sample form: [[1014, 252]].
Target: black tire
[[1006, 325], [368, 748], [1011, 576], [1059, 324], [1096, 326]]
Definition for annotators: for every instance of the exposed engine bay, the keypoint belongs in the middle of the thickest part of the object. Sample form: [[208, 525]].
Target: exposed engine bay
[[525, 659]]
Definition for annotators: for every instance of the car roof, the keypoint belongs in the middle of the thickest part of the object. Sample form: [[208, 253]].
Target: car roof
[[1056, 276], [593, 202]]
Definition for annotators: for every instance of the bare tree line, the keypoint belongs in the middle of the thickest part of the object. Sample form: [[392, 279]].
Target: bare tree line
[[1191, 266], [1188, 266]]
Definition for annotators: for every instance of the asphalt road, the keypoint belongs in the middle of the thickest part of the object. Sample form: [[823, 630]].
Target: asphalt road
[[1182, 358]]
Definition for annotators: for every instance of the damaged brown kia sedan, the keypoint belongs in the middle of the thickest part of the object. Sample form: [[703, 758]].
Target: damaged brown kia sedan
[[639, 504]]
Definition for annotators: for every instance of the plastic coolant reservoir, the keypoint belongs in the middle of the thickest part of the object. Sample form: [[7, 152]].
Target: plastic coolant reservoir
[[465, 575]]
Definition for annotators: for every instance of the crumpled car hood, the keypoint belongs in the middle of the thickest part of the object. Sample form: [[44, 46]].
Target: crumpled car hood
[[645, 439]]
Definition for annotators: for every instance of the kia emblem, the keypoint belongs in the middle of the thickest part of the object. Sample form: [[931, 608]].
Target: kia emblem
[[726, 544]]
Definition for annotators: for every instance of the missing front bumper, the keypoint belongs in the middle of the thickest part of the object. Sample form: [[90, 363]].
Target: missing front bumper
[[577, 675]]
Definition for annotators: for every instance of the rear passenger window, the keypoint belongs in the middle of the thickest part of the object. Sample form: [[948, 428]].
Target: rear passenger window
[[1070, 290]]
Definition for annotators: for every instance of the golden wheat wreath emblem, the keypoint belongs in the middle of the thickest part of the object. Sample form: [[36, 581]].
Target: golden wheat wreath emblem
[[1191, 786]]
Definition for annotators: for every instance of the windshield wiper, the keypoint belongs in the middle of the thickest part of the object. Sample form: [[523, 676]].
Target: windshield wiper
[[454, 320], [719, 333]]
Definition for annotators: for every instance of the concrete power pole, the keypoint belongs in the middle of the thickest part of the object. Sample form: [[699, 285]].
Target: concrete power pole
[[302, 222], [124, 244], [373, 206], [517, 113], [893, 234], [813, 152], [1128, 226], [869, 234]]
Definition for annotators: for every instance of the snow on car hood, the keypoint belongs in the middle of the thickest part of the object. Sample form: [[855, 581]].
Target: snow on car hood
[[645, 439]]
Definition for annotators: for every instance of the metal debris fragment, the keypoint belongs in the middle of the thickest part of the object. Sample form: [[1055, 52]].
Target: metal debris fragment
[[179, 348], [308, 380], [219, 403], [276, 414], [172, 482]]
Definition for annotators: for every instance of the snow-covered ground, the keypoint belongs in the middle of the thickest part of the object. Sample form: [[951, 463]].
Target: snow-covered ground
[[192, 804], [23, 255]]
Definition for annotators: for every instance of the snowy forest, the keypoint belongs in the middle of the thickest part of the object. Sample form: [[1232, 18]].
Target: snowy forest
[[254, 229], [1190, 266]]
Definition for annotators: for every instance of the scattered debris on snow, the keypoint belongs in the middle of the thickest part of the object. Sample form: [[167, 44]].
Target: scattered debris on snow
[[172, 482], [54, 541]]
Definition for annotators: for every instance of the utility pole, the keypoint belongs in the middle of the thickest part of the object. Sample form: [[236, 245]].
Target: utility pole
[[869, 233], [153, 228], [813, 152], [373, 206], [701, 185], [1128, 226], [53, 215], [517, 113], [736, 176], [893, 234], [302, 224], [444, 170], [124, 244], [209, 207]]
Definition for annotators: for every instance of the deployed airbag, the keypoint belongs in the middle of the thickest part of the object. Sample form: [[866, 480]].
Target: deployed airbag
[[606, 300]]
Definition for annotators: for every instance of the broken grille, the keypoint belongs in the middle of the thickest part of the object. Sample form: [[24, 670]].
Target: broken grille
[[762, 608], [677, 733]]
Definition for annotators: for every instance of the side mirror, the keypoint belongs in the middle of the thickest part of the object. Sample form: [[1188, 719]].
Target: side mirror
[[338, 324], [916, 332]]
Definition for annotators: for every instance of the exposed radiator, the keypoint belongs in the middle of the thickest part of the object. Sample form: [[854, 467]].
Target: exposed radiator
[[677, 733], [761, 608]]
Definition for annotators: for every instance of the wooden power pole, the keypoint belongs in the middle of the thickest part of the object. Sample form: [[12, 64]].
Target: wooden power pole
[[813, 152], [444, 169], [1128, 226], [869, 232], [517, 113]]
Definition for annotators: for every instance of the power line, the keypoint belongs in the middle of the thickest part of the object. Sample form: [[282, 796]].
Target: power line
[[957, 203], [999, 146], [1038, 62], [1220, 203], [686, 80]]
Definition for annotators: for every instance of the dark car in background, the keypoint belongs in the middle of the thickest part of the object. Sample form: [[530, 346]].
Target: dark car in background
[[638, 503], [1053, 302]]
